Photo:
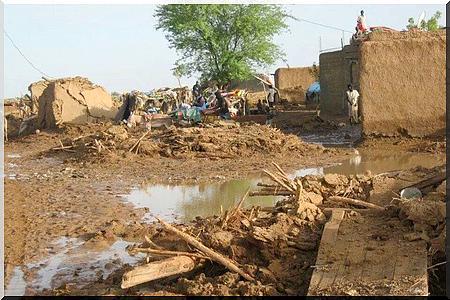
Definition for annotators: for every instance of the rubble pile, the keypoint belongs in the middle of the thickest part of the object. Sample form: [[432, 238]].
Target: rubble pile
[[255, 251], [225, 141], [318, 189], [72, 100]]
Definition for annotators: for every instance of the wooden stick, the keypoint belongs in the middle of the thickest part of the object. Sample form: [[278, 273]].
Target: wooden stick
[[138, 141], [267, 185], [286, 180], [158, 269], [270, 193], [238, 207], [62, 148], [277, 180], [427, 184], [355, 202], [169, 253], [151, 243], [217, 257], [280, 169]]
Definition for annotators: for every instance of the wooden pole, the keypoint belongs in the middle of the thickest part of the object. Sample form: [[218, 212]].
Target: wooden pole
[[158, 269], [355, 202], [217, 257]]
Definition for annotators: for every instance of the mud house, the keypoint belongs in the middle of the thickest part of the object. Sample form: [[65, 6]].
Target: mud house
[[401, 79], [293, 82], [71, 100]]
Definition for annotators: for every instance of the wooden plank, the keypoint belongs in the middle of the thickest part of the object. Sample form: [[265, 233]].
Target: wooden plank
[[326, 267], [360, 257]]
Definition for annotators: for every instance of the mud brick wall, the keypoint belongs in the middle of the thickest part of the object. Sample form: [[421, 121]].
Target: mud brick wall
[[337, 70], [293, 82], [402, 85], [332, 82]]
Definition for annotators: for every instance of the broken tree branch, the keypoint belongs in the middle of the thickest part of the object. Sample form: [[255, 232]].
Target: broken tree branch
[[139, 141], [280, 169], [217, 257], [279, 181], [169, 253], [355, 202]]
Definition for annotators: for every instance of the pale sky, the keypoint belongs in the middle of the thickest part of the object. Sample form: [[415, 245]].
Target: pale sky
[[118, 47]]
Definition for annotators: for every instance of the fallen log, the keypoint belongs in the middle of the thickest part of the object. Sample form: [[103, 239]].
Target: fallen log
[[159, 252], [213, 255], [428, 184], [355, 202], [158, 269]]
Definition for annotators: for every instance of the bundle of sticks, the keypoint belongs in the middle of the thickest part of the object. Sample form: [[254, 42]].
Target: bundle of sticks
[[284, 185]]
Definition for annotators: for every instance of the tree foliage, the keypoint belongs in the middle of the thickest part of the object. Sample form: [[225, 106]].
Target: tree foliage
[[222, 42], [429, 25]]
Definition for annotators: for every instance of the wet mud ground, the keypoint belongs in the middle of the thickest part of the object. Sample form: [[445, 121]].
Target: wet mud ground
[[68, 222]]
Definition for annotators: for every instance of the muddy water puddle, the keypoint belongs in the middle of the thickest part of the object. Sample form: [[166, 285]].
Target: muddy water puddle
[[184, 202], [73, 262], [344, 137]]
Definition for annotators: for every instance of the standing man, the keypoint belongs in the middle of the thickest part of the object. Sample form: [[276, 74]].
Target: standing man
[[271, 96], [196, 90], [361, 23], [352, 99]]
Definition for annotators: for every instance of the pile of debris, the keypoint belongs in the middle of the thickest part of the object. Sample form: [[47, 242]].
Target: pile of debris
[[256, 251], [71, 100], [261, 251], [228, 140]]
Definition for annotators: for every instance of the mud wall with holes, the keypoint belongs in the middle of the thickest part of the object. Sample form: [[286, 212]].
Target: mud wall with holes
[[74, 101], [402, 84], [292, 83], [337, 70]]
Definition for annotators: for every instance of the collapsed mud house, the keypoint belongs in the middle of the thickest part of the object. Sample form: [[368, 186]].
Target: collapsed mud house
[[400, 77], [71, 100], [292, 83]]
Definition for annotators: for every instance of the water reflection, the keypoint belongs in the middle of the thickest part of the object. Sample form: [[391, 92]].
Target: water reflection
[[380, 162], [185, 202]]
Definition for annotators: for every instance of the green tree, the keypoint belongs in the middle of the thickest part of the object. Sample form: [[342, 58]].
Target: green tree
[[222, 42], [179, 71], [431, 25]]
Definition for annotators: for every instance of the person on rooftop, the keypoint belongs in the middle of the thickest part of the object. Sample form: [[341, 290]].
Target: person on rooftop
[[361, 23]]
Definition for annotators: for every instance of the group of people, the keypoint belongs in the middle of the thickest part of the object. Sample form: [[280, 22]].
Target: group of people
[[216, 102]]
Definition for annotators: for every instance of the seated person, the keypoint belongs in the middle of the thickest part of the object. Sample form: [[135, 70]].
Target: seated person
[[260, 107]]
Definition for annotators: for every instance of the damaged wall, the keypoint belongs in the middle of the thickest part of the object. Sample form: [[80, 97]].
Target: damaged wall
[[402, 83], [74, 101], [36, 90], [293, 82], [337, 70]]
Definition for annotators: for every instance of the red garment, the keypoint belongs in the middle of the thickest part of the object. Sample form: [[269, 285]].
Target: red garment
[[360, 27]]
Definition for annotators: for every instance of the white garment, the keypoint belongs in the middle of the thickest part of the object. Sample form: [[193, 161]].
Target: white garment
[[362, 20], [352, 97], [271, 95]]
